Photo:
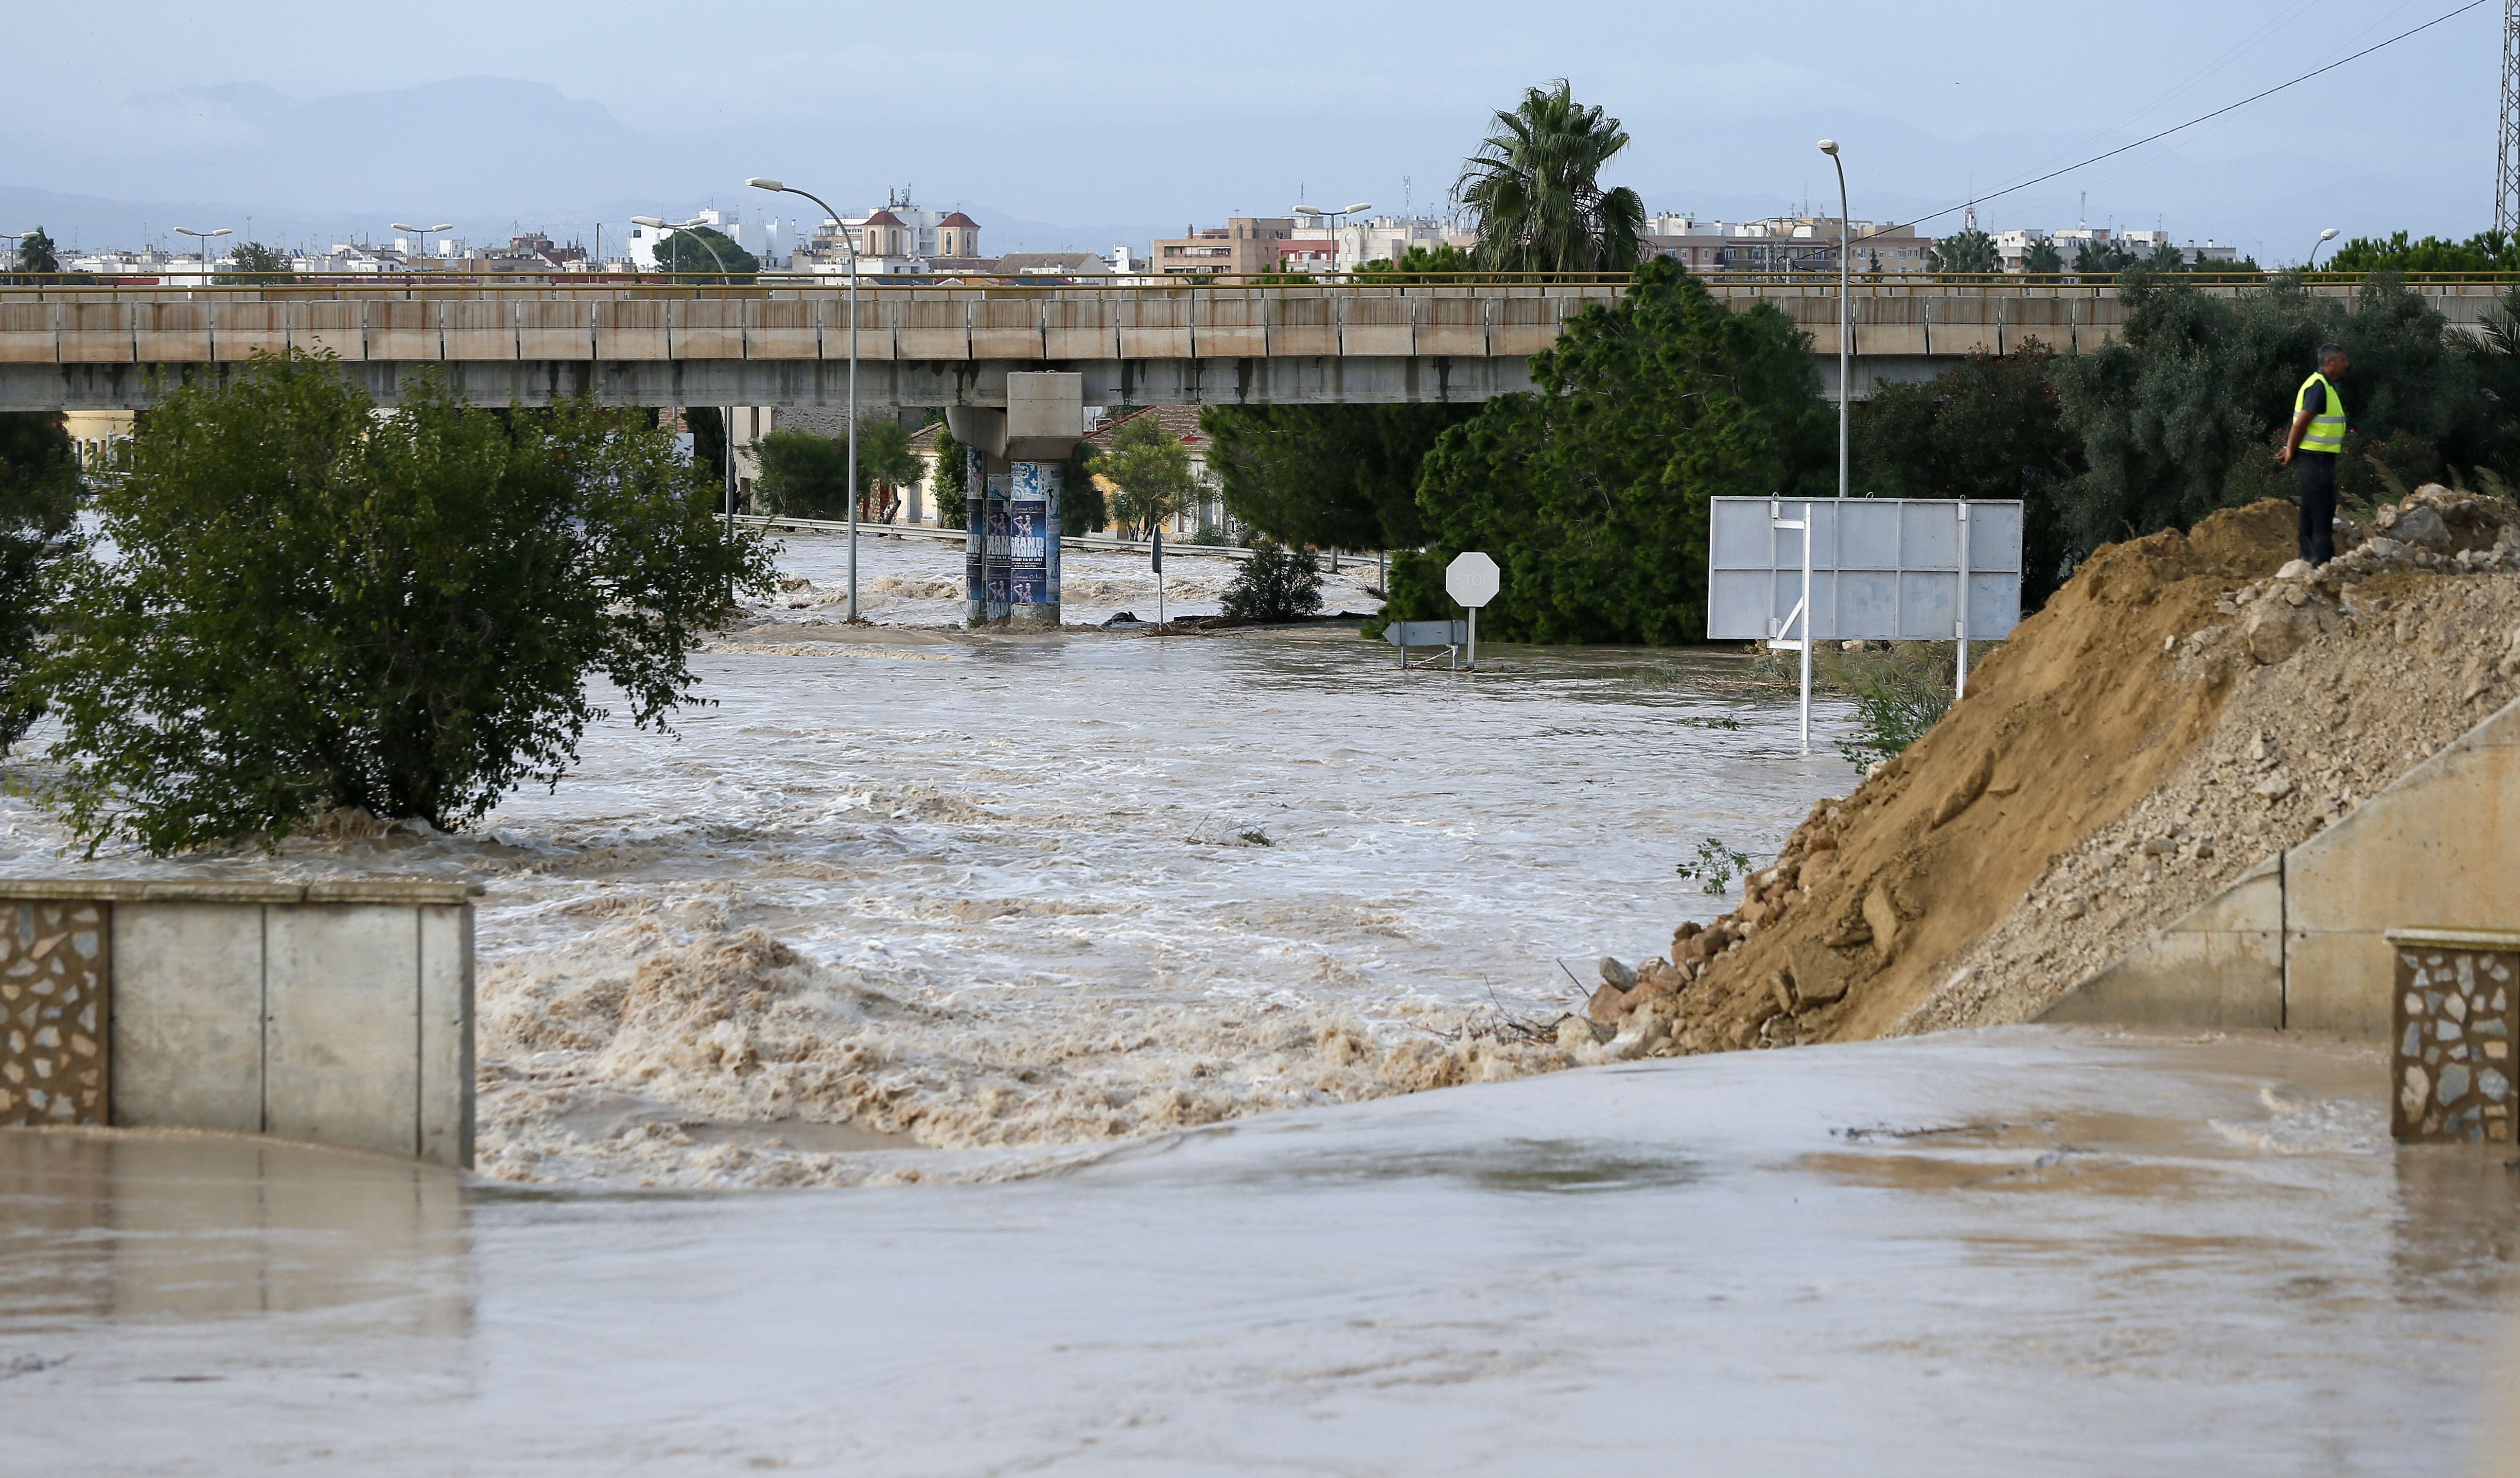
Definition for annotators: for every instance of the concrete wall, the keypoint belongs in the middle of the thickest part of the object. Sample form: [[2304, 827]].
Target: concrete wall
[[2299, 941], [339, 1014]]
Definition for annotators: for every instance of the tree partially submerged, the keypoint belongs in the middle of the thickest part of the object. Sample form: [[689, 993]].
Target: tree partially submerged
[[1276, 583], [1149, 472], [1327, 477], [1592, 492], [310, 607], [39, 485]]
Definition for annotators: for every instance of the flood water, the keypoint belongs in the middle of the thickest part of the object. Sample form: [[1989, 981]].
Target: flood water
[[2025, 1251], [1099, 969]]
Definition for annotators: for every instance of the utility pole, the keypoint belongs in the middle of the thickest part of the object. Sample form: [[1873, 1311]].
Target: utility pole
[[2506, 148]]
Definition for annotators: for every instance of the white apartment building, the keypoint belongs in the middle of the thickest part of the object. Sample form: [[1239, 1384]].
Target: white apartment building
[[1382, 238], [766, 239]]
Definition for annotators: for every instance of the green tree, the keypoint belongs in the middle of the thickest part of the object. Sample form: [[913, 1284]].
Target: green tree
[[1442, 263], [36, 252], [39, 487], [309, 606], [2164, 259], [255, 265], [1151, 472], [1592, 492], [1990, 427], [2179, 418], [1534, 189], [946, 485], [804, 475], [1083, 507], [686, 250], [1276, 583], [2485, 252], [885, 464], [708, 427], [1971, 252], [2044, 258], [1327, 477]]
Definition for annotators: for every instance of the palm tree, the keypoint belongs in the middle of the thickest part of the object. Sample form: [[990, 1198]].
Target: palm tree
[[1972, 251], [2043, 258], [885, 462], [1535, 190]]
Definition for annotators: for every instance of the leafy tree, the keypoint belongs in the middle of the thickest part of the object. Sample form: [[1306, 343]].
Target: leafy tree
[[803, 474], [1149, 473], [708, 427], [310, 605], [2043, 259], [39, 486], [1445, 261], [946, 484], [1276, 583], [2164, 259], [1083, 505], [36, 252], [1327, 477], [255, 265], [688, 249], [2485, 252], [2179, 418], [2101, 258], [1591, 493], [1990, 427], [1535, 191], [1971, 251], [885, 462]]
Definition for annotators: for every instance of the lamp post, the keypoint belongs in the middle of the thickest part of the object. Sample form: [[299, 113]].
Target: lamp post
[[1336, 217], [657, 223], [760, 182], [203, 240], [422, 234], [2325, 237]]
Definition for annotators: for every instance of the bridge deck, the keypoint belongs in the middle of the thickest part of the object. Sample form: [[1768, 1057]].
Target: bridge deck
[[770, 343]]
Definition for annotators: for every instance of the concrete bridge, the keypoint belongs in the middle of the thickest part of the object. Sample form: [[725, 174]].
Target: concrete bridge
[[780, 343]]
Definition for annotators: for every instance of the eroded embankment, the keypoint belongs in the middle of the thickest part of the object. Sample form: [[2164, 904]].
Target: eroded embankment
[[2174, 715]]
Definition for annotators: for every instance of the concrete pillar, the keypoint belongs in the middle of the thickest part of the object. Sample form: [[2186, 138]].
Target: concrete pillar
[[999, 546], [1033, 564], [975, 525]]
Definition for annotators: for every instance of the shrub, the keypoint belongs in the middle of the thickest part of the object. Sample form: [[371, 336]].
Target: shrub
[[1899, 693], [1276, 583], [311, 607], [39, 492]]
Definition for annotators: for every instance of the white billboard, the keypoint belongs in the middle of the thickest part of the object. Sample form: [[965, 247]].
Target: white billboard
[[1881, 568]]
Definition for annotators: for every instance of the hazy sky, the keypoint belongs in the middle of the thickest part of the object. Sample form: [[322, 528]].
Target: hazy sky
[[1084, 125]]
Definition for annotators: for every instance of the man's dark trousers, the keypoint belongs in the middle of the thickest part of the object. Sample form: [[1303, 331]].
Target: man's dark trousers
[[2317, 505]]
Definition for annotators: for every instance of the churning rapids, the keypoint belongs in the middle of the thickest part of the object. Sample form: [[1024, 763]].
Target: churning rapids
[[908, 890]]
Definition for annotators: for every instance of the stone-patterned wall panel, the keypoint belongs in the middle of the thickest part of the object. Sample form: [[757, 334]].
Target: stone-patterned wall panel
[[54, 973], [2456, 1013]]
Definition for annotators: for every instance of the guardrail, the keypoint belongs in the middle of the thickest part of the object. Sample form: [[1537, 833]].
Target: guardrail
[[963, 536]]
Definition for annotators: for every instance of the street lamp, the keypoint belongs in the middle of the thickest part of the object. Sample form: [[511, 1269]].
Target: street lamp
[[762, 182], [203, 240], [2325, 237], [658, 223], [1337, 218], [423, 234]]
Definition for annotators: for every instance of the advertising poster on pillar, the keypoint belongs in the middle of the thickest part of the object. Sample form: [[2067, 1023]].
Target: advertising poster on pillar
[[1028, 528], [1001, 543]]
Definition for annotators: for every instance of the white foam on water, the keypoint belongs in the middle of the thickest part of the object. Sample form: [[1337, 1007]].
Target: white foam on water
[[1029, 891]]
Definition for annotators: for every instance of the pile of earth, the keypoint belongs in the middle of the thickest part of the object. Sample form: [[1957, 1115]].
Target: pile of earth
[[2185, 706]]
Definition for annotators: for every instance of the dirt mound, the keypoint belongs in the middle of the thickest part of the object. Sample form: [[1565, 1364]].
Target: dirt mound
[[2141, 740]]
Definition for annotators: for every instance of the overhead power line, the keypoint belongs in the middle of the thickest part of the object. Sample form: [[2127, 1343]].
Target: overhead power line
[[2192, 122]]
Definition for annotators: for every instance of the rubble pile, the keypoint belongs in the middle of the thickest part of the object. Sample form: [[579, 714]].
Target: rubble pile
[[2185, 706]]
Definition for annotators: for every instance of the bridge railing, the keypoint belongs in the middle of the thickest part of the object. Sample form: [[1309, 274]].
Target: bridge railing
[[282, 287]]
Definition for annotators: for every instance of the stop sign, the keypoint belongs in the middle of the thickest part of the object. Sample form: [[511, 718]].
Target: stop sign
[[1471, 579]]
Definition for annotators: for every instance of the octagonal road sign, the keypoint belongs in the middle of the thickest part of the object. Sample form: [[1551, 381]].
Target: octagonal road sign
[[1471, 579]]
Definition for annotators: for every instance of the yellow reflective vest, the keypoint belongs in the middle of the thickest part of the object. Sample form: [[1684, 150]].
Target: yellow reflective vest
[[2326, 429]]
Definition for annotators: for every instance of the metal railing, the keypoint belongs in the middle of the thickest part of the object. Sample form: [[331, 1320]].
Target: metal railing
[[299, 286]]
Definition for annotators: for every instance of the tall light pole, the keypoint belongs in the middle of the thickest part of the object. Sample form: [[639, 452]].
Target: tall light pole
[[1845, 316], [1336, 217], [421, 234], [657, 223], [202, 238], [2325, 237], [760, 182]]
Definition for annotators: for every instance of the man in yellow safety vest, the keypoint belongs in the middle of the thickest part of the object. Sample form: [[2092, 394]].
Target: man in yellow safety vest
[[2318, 436]]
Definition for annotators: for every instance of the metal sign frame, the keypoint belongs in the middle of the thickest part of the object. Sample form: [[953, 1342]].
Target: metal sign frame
[[1896, 568]]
